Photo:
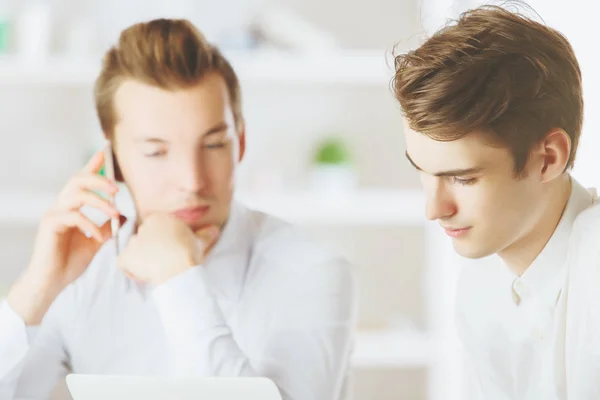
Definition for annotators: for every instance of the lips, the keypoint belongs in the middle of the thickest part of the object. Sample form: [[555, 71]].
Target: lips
[[456, 232], [191, 215]]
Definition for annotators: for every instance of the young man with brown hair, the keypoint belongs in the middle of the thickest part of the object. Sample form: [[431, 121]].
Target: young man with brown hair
[[493, 109], [264, 301]]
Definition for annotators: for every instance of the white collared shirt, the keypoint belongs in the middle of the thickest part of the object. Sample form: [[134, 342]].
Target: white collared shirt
[[513, 328], [268, 302]]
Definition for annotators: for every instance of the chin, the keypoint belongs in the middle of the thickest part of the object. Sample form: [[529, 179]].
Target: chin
[[471, 250], [209, 220]]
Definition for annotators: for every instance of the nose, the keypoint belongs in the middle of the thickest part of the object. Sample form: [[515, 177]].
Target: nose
[[190, 173], [440, 203]]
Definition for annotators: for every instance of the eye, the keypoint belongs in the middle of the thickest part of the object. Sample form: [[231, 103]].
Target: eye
[[154, 154], [214, 146], [463, 181]]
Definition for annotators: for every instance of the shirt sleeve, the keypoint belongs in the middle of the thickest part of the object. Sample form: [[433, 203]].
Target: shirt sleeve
[[31, 358], [308, 343], [14, 342]]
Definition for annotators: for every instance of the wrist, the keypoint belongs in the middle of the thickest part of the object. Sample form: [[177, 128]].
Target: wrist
[[31, 297], [176, 268]]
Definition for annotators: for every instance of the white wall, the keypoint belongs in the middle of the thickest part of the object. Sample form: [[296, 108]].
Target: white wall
[[577, 19], [356, 23], [362, 24]]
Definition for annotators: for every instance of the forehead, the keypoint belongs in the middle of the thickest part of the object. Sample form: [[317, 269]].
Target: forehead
[[473, 150], [137, 103]]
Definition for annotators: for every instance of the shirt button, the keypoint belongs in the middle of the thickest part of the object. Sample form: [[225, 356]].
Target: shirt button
[[519, 285], [520, 288]]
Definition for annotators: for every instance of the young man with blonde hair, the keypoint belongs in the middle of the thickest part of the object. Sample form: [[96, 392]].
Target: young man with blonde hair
[[494, 108], [203, 286]]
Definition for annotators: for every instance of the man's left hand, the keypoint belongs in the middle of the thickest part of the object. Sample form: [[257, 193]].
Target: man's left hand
[[164, 247]]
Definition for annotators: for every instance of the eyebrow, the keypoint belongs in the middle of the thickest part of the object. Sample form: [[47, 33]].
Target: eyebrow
[[452, 172], [218, 128]]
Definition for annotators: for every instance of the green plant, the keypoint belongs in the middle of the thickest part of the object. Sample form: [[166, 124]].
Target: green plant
[[332, 151]]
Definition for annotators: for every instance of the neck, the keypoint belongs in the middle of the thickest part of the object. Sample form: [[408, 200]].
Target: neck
[[519, 255]]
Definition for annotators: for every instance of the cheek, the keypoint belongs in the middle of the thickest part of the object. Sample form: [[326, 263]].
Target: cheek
[[145, 180], [219, 169], [142, 173], [498, 207], [480, 203]]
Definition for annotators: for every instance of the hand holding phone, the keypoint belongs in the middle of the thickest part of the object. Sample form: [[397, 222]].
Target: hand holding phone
[[67, 240]]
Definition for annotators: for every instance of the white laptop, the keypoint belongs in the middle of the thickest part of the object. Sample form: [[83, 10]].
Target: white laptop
[[105, 387]]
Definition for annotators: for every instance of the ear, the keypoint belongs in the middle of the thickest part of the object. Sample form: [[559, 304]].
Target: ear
[[555, 149], [242, 141]]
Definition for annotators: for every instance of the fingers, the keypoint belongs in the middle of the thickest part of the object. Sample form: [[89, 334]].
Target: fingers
[[105, 229], [208, 235], [91, 182], [90, 199], [132, 277], [82, 191], [75, 219], [95, 163], [126, 261]]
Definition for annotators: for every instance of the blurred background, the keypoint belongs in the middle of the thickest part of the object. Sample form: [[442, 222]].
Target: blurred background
[[325, 146]]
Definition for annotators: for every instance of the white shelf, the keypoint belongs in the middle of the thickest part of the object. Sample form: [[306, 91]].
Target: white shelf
[[347, 67], [367, 67], [371, 207], [393, 350], [27, 208], [375, 207], [56, 71], [22, 208]]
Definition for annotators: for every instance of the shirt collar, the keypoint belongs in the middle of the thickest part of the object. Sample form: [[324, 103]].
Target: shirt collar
[[228, 261], [234, 235], [544, 277]]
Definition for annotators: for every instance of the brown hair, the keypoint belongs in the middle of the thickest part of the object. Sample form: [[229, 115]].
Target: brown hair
[[492, 70], [167, 53]]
